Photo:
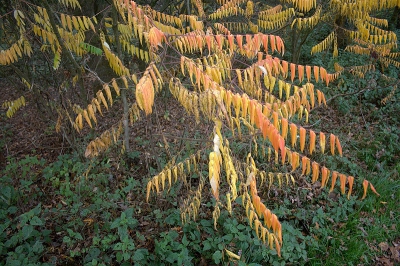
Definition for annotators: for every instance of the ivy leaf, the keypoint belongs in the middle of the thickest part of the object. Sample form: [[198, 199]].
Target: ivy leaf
[[27, 231], [217, 256], [36, 221]]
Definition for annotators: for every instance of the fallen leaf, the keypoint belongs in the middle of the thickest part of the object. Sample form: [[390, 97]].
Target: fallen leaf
[[395, 253], [384, 246]]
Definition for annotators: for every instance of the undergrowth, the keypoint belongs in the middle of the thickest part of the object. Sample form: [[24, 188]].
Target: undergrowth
[[94, 213]]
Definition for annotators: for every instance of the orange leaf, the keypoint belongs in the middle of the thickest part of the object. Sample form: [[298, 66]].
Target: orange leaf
[[265, 128], [334, 177], [265, 42], [279, 45], [304, 161], [319, 96], [324, 174], [308, 72], [302, 138], [327, 78], [282, 148], [220, 40], [373, 189], [315, 172], [267, 218], [248, 40], [322, 141], [300, 69], [275, 139], [278, 247], [245, 104], [293, 134], [260, 118], [275, 118], [342, 178], [239, 39], [332, 144], [284, 128], [285, 68], [252, 112], [350, 179], [274, 222], [257, 203], [338, 146], [365, 185], [292, 71], [230, 41], [208, 41], [316, 73], [272, 43], [295, 159], [312, 141]]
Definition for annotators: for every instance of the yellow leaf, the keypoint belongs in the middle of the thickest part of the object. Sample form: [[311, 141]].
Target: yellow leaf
[[86, 116]]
